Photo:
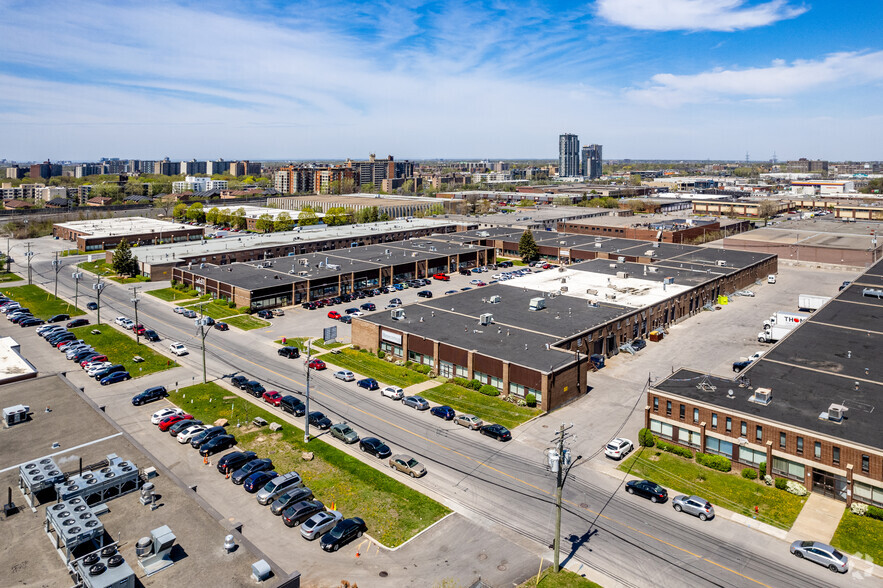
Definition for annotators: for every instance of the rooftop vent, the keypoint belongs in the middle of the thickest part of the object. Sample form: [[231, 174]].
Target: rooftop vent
[[495, 299], [486, 319], [762, 396], [872, 292], [835, 413], [721, 262]]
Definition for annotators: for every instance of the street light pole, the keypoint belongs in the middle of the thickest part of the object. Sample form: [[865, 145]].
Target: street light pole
[[98, 287], [307, 403], [560, 460], [76, 276], [135, 301], [56, 265], [29, 255]]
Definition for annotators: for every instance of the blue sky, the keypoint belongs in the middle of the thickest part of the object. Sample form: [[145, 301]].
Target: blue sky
[[269, 79]]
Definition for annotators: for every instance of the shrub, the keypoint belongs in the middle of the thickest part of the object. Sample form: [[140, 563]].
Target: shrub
[[423, 369], [231, 304], [663, 445], [682, 451], [749, 474], [795, 488], [530, 399], [489, 390], [381, 353], [244, 310], [715, 462], [174, 283], [859, 509], [875, 513], [461, 382], [193, 292], [475, 384], [781, 483], [646, 438], [762, 468]]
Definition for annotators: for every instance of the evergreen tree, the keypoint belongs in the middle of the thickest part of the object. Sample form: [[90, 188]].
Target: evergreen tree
[[124, 263], [527, 247]]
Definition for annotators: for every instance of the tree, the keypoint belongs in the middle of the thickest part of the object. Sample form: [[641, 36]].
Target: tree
[[283, 222], [408, 187], [238, 220], [368, 188], [123, 262], [635, 179], [527, 247], [179, 211], [195, 212], [224, 217], [211, 216], [767, 209], [307, 217], [337, 216], [264, 223]]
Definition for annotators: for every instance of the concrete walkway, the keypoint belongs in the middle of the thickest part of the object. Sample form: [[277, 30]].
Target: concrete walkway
[[818, 520], [421, 387]]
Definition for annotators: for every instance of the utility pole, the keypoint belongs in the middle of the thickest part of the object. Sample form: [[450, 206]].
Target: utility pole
[[98, 287], [56, 265], [76, 276], [560, 464], [135, 301], [307, 403], [202, 335], [29, 254]]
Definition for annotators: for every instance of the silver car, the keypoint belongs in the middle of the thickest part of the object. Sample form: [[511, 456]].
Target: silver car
[[468, 420], [417, 402], [345, 375], [319, 523], [694, 505], [275, 487], [292, 496], [821, 553]]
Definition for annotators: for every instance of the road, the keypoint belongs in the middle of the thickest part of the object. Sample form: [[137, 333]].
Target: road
[[612, 537]]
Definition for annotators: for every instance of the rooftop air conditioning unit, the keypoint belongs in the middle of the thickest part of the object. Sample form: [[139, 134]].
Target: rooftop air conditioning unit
[[762, 396], [721, 262], [622, 275], [495, 299], [620, 259], [397, 314], [610, 295], [486, 319], [835, 412], [598, 245]]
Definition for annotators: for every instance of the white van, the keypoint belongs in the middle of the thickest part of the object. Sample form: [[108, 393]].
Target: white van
[[771, 279]]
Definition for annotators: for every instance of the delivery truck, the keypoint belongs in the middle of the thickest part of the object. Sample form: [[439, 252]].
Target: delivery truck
[[811, 302], [774, 333], [784, 318]]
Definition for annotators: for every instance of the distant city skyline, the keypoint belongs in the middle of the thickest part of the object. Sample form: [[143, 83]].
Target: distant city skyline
[[648, 79]]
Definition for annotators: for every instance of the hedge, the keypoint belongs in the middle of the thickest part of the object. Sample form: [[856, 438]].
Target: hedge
[[645, 438], [749, 474], [875, 512], [489, 390], [676, 449], [531, 399], [762, 468], [715, 462], [781, 483]]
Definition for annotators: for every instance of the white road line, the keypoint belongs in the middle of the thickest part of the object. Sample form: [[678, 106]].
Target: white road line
[[62, 451]]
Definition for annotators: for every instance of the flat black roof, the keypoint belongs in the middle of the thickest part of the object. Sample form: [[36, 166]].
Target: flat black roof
[[242, 275]]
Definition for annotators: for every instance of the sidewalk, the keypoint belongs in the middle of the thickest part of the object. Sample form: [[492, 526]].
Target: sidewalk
[[818, 519]]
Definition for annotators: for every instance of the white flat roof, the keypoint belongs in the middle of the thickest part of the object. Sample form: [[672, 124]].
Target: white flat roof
[[257, 211], [130, 225], [12, 364]]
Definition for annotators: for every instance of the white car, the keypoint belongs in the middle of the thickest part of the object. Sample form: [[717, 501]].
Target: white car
[[179, 310], [97, 368], [618, 448], [161, 414], [178, 349], [345, 375], [120, 320], [187, 434], [393, 392]]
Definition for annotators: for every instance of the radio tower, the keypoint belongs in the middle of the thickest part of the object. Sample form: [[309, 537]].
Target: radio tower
[[774, 160], [747, 160]]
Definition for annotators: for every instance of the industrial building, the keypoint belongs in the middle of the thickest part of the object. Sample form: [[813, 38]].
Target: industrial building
[[391, 206], [739, 207], [655, 227], [808, 408], [100, 234], [544, 333]]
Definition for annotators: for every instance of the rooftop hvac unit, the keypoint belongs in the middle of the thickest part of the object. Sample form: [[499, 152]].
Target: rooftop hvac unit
[[612, 265], [495, 299], [835, 413], [117, 478], [74, 524], [652, 269], [39, 474], [14, 415], [538, 303], [303, 273], [610, 295], [153, 552], [598, 245], [762, 396], [872, 292], [486, 319], [620, 259], [622, 275], [332, 266], [104, 568], [721, 262], [397, 314], [649, 253]]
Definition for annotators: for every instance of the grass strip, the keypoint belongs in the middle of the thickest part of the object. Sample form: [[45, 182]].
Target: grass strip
[[9, 277], [121, 348], [372, 367], [393, 511], [859, 535], [490, 409], [563, 579], [42, 304], [216, 310], [170, 294], [246, 322]]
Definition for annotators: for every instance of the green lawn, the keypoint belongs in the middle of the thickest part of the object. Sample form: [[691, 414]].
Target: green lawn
[[43, 304], [857, 534], [729, 490], [134, 280], [9, 277], [299, 342], [246, 322], [563, 579], [99, 266], [330, 345], [217, 310], [70, 252], [120, 348], [370, 366], [393, 512], [170, 295], [490, 409]]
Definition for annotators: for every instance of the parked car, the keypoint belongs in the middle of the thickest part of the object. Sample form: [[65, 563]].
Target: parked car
[[394, 303], [239, 382], [92, 370], [151, 335], [345, 375], [290, 497], [618, 448], [334, 315], [346, 319], [91, 306], [289, 352], [301, 511], [342, 533], [498, 432], [822, 554], [30, 322], [317, 419], [417, 402], [353, 312], [468, 420], [257, 480], [149, 395], [179, 310], [264, 314], [257, 465], [58, 318], [368, 384], [844, 286], [185, 424], [159, 415], [647, 489], [94, 359], [185, 435], [393, 392], [115, 377], [424, 294], [139, 329], [344, 432], [78, 351], [189, 313], [375, 447], [694, 505], [254, 388], [221, 326], [235, 460], [293, 405], [638, 344], [319, 524], [278, 486], [441, 277], [170, 420], [219, 443], [443, 412], [206, 436], [747, 293], [368, 306], [122, 321], [407, 464], [178, 349], [316, 364]]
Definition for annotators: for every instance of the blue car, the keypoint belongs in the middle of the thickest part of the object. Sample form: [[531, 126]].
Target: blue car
[[443, 412], [258, 480], [115, 377], [368, 384]]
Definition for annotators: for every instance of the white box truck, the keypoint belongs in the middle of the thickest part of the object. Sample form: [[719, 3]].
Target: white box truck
[[784, 318], [811, 302], [773, 334]]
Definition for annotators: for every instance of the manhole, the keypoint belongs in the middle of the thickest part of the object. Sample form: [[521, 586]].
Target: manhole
[[502, 567], [583, 505], [383, 574], [482, 556], [545, 426]]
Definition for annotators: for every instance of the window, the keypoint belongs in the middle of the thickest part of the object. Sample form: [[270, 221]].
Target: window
[[729, 425], [695, 415], [800, 445], [521, 391], [668, 408], [743, 430], [790, 469], [835, 455], [682, 412], [655, 404], [868, 494], [714, 420], [817, 450], [719, 447], [662, 429], [866, 464], [783, 440], [689, 438], [758, 433], [396, 350], [751, 457]]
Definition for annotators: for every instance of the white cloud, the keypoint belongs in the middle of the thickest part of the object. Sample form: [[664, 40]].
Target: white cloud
[[695, 15], [778, 80]]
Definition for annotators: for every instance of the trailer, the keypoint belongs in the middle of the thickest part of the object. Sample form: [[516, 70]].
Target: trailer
[[784, 318], [811, 302]]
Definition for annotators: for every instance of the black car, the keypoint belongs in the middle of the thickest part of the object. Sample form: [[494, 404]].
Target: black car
[[293, 405], [342, 533], [346, 319], [151, 335], [291, 497], [149, 395], [222, 326], [369, 306], [289, 352], [465, 272], [84, 354], [235, 460], [58, 338], [31, 322], [264, 314], [109, 370], [257, 465], [638, 344], [183, 424], [239, 382], [92, 306], [647, 489], [375, 447], [443, 412], [424, 294], [254, 388], [498, 432], [58, 318], [219, 443], [23, 317], [202, 438], [257, 481], [301, 511], [317, 419]]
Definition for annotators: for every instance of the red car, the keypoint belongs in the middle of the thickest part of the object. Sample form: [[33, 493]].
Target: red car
[[316, 364], [441, 277], [91, 359], [139, 329], [172, 419], [272, 397], [334, 315]]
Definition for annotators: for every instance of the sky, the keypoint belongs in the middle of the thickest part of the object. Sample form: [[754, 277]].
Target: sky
[[270, 79]]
